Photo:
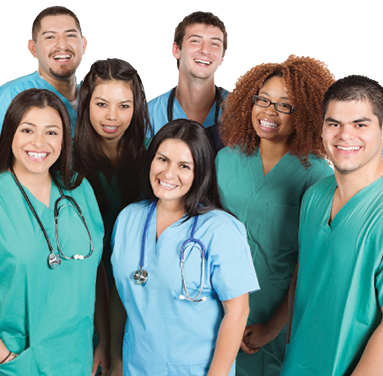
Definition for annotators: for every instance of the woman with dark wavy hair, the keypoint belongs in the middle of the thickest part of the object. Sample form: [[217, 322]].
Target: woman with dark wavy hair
[[272, 126], [109, 149]]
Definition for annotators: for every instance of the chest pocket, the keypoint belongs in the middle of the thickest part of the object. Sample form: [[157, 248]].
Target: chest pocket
[[195, 369]]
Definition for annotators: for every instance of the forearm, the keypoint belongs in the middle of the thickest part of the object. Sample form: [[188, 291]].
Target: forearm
[[291, 300], [101, 315], [229, 338], [371, 362]]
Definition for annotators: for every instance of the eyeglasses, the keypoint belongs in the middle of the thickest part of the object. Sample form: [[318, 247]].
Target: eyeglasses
[[284, 108]]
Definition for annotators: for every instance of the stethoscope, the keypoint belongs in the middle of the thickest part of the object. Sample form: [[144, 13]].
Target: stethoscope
[[141, 275], [55, 259], [214, 129]]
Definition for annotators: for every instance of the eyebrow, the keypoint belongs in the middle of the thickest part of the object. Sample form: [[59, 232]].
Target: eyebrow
[[361, 120], [285, 98], [184, 162], [105, 100], [45, 126], [200, 36], [55, 32]]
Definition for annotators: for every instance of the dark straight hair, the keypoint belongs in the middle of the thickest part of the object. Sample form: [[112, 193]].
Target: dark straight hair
[[89, 159], [203, 195], [39, 98]]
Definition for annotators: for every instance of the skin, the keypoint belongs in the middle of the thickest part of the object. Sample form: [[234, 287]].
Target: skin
[[195, 90], [173, 166], [59, 35]]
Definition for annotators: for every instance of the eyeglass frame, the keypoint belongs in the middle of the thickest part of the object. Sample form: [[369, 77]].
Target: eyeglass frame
[[273, 103]]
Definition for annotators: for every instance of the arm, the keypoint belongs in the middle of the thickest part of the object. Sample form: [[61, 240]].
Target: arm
[[117, 326], [258, 335], [292, 289], [371, 362], [229, 335], [101, 356]]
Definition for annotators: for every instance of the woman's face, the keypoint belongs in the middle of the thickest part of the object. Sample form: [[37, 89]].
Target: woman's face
[[268, 122], [37, 142], [172, 171], [111, 109]]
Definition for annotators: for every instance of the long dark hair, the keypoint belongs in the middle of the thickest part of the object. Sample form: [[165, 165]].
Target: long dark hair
[[89, 159], [39, 98], [203, 195]]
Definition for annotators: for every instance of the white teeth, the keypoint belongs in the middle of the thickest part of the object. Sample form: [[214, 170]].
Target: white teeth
[[62, 57], [110, 128], [166, 185], [350, 148], [268, 124], [202, 62], [37, 155]]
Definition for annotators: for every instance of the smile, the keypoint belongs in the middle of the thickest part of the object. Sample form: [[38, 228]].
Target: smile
[[62, 57], [202, 62], [350, 148], [109, 128], [268, 124], [35, 155], [166, 185]]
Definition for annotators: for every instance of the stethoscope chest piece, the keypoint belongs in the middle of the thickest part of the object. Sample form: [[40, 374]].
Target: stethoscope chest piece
[[54, 260], [140, 276]]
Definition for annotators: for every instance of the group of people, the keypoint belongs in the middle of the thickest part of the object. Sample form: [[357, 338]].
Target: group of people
[[195, 234]]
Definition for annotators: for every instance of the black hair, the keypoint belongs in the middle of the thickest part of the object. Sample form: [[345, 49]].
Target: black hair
[[203, 195], [39, 98], [89, 159]]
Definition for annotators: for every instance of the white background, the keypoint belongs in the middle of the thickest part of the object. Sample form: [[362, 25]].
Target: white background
[[346, 35]]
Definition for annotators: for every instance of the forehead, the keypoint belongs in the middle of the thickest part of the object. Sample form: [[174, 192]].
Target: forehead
[[274, 86], [57, 23], [175, 149], [113, 88], [207, 31], [348, 111], [42, 116]]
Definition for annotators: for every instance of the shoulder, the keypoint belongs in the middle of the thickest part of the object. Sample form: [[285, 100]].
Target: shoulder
[[228, 158], [224, 93], [134, 212], [161, 100], [320, 189], [19, 84], [230, 153]]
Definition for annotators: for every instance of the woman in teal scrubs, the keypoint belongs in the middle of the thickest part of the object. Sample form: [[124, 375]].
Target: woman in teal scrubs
[[109, 144], [188, 317], [272, 127], [48, 273]]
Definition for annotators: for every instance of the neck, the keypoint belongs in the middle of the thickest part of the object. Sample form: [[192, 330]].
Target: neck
[[196, 97], [66, 88], [273, 150], [109, 148], [173, 208], [350, 184]]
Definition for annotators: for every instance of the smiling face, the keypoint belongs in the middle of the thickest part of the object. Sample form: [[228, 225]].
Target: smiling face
[[59, 47], [201, 52], [111, 109], [36, 145], [352, 136], [270, 124], [172, 171]]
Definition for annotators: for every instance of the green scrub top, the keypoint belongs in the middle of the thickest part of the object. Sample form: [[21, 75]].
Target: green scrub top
[[269, 208], [46, 315], [340, 281]]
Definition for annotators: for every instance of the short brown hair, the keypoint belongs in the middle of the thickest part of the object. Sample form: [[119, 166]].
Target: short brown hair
[[306, 81], [205, 18], [52, 11]]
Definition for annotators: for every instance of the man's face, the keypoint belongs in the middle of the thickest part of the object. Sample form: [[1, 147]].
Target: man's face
[[352, 136], [59, 47], [201, 52]]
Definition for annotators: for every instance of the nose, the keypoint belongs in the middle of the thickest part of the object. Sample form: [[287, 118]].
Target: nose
[[170, 171], [39, 140], [112, 113], [204, 47], [271, 110], [61, 41], [346, 132]]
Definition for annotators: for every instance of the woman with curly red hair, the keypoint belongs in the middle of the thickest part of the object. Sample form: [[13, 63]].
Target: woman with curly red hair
[[272, 126]]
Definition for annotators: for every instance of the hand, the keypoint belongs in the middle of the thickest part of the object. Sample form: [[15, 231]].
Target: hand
[[117, 369], [256, 336], [101, 357]]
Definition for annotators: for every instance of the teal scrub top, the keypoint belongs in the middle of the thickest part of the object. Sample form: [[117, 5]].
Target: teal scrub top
[[164, 335], [269, 208], [158, 111], [46, 315], [340, 281], [10, 89]]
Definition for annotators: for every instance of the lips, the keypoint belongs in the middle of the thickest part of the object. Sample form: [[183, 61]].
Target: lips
[[109, 128], [168, 186], [37, 156], [205, 63]]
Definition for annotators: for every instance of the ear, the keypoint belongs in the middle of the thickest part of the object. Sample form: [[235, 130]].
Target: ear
[[32, 48], [84, 44], [176, 50]]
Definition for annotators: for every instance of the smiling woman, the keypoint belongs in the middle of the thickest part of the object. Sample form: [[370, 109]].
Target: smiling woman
[[49, 253]]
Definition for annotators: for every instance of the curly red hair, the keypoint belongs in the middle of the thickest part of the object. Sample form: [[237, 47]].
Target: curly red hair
[[306, 81]]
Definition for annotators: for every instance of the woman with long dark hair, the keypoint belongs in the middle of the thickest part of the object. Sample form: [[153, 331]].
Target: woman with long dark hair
[[50, 243], [182, 266], [109, 144]]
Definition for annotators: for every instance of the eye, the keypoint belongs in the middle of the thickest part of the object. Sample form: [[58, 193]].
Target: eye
[[262, 100], [72, 35], [361, 125], [26, 130], [125, 106], [335, 125], [52, 133], [101, 104], [284, 105], [49, 37], [161, 158], [185, 166]]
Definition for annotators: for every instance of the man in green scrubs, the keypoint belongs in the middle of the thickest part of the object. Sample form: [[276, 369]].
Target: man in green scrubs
[[337, 322]]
